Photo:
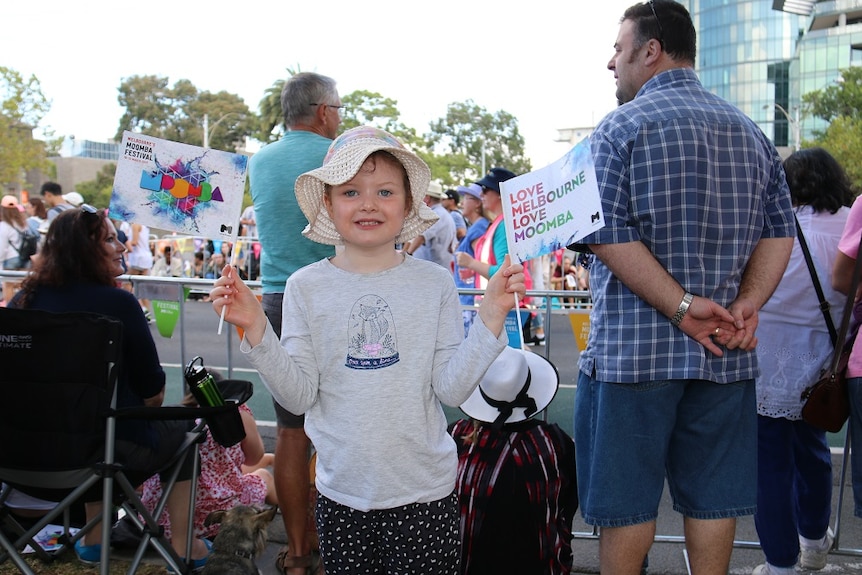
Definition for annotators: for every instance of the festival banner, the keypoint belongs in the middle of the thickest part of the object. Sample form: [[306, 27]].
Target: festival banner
[[166, 315], [165, 298], [178, 187], [580, 321], [552, 207]]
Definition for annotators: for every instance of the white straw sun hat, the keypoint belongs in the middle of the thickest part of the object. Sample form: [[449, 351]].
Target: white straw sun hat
[[518, 385], [345, 156]]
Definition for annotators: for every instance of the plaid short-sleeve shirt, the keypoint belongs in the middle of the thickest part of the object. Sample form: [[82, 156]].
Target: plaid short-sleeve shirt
[[698, 183]]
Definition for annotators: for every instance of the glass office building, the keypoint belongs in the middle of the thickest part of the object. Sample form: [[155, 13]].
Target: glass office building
[[763, 55], [832, 42]]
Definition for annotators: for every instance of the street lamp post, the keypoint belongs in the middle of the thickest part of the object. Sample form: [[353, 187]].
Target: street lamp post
[[208, 131], [793, 121]]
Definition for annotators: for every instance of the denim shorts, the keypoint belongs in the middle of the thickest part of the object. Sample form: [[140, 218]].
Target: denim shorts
[[698, 435]]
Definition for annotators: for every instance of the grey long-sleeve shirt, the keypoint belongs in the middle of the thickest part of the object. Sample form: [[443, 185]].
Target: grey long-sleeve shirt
[[369, 358]]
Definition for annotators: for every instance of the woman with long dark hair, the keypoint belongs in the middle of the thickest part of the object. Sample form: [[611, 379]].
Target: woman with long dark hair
[[794, 478], [76, 272]]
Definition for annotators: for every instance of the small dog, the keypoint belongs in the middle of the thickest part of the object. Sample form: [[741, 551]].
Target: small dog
[[241, 537]]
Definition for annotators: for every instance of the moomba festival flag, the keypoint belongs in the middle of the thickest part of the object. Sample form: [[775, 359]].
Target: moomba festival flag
[[552, 207], [177, 187]]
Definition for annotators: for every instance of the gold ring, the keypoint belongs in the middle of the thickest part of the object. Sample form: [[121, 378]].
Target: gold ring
[[716, 331]]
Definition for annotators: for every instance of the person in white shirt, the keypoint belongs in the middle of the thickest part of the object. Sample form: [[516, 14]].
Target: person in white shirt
[[167, 265], [436, 244], [247, 222]]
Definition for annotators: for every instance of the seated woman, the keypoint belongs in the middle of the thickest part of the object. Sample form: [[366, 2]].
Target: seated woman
[[76, 272]]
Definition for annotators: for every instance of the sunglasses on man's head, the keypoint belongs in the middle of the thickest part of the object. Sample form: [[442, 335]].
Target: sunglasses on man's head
[[658, 23]]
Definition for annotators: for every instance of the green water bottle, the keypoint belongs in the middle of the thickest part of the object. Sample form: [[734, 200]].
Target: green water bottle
[[202, 385]]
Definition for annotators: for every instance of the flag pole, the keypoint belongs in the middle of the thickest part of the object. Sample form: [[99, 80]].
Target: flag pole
[[232, 266]]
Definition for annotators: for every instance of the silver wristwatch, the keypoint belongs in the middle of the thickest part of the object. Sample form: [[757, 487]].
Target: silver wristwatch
[[682, 309]]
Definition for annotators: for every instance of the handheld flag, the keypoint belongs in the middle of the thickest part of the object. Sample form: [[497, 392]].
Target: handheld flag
[[178, 187], [552, 207]]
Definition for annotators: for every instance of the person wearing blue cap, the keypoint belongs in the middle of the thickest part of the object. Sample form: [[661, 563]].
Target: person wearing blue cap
[[492, 247]]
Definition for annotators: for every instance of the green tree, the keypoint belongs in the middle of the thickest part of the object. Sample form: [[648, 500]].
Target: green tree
[[468, 133], [364, 108], [271, 116], [180, 113], [843, 139], [22, 107], [98, 192], [840, 105], [844, 98]]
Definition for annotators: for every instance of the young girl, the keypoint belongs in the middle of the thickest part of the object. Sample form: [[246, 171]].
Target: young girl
[[372, 343]]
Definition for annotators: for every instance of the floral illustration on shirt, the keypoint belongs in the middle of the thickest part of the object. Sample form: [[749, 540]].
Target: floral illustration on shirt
[[371, 337]]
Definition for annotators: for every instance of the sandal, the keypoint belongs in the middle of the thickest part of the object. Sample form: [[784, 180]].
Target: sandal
[[311, 562]]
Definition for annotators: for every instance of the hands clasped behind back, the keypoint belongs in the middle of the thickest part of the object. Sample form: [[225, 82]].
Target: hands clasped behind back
[[712, 326]]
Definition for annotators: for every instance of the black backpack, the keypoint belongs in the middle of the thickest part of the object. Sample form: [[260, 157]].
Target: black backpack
[[27, 245]]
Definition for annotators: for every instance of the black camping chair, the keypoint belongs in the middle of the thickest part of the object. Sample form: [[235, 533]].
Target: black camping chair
[[58, 375]]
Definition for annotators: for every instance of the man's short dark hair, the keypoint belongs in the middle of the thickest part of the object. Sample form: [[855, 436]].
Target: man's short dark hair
[[52, 188], [667, 21]]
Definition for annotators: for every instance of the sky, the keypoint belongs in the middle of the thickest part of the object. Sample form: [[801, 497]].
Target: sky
[[542, 61]]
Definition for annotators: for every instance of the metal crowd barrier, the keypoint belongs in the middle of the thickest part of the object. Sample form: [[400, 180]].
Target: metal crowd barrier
[[171, 289]]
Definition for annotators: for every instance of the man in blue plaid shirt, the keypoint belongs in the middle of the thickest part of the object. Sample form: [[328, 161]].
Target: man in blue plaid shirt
[[698, 232]]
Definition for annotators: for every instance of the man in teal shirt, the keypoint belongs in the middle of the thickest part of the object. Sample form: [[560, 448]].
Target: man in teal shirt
[[312, 114]]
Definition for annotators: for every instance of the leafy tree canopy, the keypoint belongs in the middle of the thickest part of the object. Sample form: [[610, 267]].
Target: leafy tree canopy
[[843, 139], [456, 148], [98, 192], [844, 98], [453, 148], [470, 137], [840, 105], [182, 113], [22, 107]]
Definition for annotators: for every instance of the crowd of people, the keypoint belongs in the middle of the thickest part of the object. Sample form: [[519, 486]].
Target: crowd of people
[[702, 337]]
